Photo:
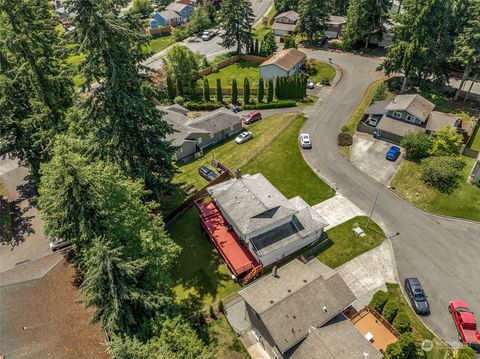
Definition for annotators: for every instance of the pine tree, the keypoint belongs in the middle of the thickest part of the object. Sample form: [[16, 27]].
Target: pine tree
[[236, 18], [34, 90], [246, 91], [270, 91], [192, 90], [277, 87], [179, 87], [269, 46], [234, 91], [219, 91], [313, 18], [256, 47], [171, 93], [206, 90], [261, 90], [121, 112], [340, 7]]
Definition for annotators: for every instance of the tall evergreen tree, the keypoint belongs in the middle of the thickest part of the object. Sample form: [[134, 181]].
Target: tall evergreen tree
[[121, 112], [170, 89], [179, 87], [365, 18], [234, 91], [261, 90], [313, 18], [277, 87], [269, 46], [270, 91], [206, 90], [340, 7], [192, 89], [236, 18], [256, 47], [34, 90], [219, 90], [246, 91]]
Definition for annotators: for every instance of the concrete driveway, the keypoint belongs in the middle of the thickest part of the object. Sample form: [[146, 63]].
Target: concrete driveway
[[337, 210], [368, 154]]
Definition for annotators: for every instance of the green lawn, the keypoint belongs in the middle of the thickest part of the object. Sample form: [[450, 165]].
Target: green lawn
[[283, 165], [475, 141], [344, 245], [239, 71], [321, 71], [221, 335], [200, 277], [464, 202], [158, 44]]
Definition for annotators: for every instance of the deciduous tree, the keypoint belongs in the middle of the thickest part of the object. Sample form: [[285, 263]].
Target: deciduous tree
[[181, 63], [446, 142]]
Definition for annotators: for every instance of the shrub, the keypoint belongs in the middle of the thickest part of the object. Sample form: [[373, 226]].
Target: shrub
[[211, 312], [278, 104], [197, 106], [406, 347], [220, 307], [325, 81], [442, 173], [345, 129], [379, 300], [381, 92], [390, 310], [402, 322], [466, 353], [344, 139], [180, 100], [417, 145], [446, 142]]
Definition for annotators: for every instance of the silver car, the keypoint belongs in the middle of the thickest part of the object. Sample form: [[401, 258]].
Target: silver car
[[305, 140], [56, 244], [244, 137]]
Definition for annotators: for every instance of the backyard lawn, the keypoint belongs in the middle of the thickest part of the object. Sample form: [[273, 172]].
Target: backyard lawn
[[224, 339], [344, 245], [201, 279], [464, 202], [239, 71]]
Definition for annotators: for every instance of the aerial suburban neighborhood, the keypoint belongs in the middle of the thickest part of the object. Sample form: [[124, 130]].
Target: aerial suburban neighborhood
[[236, 179]]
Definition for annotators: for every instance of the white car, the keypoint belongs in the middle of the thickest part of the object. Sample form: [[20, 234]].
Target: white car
[[374, 121], [310, 85], [305, 140], [206, 36], [244, 137]]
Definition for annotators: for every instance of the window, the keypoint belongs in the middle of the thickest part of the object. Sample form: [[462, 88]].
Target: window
[[397, 114], [231, 128], [211, 135], [199, 140], [411, 118]]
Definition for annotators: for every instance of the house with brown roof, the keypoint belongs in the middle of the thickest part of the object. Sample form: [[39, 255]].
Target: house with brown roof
[[285, 23], [407, 113], [285, 62]]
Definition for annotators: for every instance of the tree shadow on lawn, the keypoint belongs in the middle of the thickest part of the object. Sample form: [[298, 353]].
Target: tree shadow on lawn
[[15, 224]]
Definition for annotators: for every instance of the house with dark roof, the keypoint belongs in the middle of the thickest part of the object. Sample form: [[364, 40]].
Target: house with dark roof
[[265, 221], [285, 62], [296, 312], [192, 136], [408, 114]]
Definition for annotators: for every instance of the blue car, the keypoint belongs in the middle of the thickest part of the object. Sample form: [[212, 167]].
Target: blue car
[[393, 153]]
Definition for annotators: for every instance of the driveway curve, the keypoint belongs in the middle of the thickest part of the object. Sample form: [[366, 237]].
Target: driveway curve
[[443, 253]]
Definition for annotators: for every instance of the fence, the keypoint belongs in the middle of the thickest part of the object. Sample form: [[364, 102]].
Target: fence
[[368, 309]]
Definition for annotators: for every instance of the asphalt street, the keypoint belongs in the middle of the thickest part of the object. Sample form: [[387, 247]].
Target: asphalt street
[[443, 253]]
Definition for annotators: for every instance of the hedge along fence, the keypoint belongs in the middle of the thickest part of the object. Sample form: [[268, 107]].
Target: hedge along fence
[[230, 61]]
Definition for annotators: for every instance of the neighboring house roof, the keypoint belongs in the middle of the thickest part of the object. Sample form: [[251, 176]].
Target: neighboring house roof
[[216, 121], [168, 14], [397, 127], [377, 108], [293, 302], [416, 105], [177, 108], [337, 20], [439, 120], [285, 59], [338, 339], [176, 6], [291, 15], [179, 122], [186, 2], [283, 27]]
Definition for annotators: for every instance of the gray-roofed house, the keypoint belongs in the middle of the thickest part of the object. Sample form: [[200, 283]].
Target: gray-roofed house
[[192, 136], [291, 310], [408, 113], [285, 62], [177, 108], [270, 225], [335, 26], [285, 23], [184, 10]]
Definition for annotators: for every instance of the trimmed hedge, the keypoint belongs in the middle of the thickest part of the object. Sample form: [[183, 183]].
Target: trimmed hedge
[[390, 311], [195, 106], [379, 300], [278, 104], [344, 139], [401, 322]]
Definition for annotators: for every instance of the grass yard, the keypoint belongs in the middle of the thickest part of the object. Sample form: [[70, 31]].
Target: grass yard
[[239, 71], [475, 141], [464, 202], [283, 165], [344, 245], [221, 335], [321, 71], [200, 277], [158, 44]]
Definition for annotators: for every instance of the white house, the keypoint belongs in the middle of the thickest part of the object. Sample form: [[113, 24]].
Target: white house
[[283, 63], [268, 224]]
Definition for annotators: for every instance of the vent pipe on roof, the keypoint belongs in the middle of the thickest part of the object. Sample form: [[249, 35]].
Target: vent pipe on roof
[[274, 272]]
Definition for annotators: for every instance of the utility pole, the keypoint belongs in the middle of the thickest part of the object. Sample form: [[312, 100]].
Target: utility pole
[[373, 208]]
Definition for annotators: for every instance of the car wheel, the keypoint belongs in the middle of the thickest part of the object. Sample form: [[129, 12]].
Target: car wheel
[[449, 309]]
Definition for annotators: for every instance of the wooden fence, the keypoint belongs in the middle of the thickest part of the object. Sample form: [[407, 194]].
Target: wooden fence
[[368, 309]]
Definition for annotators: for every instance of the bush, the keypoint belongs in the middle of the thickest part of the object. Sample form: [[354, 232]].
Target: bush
[[325, 81], [344, 139], [402, 322], [466, 353], [278, 104], [221, 307], [211, 312], [446, 142], [417, 145], [197, 106], [390, 310], [381, 92], [442, 173], [345, 129], [379, 300], [406, 347], [180, 100]]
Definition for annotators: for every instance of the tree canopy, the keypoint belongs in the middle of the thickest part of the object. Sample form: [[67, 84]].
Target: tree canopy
[[236, 18], [181, 63], [313, 18]]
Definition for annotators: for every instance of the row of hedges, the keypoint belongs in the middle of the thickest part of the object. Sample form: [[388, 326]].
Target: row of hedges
[[263, 106], [390, 311]]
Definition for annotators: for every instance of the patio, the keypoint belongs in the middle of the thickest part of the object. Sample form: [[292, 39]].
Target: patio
[[375, 329]]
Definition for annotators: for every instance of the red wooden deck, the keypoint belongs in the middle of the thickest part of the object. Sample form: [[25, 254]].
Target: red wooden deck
[[238, 258]]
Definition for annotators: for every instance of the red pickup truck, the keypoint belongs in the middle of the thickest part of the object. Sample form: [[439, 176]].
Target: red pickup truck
[[465, 323]]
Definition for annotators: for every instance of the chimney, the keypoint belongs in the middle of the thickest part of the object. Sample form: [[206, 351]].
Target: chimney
[[238, 173], [274, 272]]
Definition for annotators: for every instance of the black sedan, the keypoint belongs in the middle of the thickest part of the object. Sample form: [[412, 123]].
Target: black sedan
[[207, 173], [417, 296]]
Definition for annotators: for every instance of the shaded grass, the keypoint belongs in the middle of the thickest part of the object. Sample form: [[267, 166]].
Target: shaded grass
[[283, 165], [322, 71], [201, 279], [158, 44], [239, 71], [463, 202], [344, 245], [221, 335]]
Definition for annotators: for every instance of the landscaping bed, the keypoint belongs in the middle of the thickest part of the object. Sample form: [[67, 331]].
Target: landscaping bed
[[344, 245], [463, 202]]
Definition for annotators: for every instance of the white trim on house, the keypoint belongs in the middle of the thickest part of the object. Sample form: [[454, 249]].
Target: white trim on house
[[397, 114]]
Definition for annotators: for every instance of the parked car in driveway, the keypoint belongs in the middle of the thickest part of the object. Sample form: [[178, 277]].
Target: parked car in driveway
[[466, 324], [310, 85], [393, 153], [417, 296], [207, 35], [305, 140], [252, 117], [207, 173], [374, 120], [244, 137]]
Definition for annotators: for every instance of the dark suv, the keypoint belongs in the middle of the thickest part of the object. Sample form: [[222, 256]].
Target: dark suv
[[207, 173], [417, 296]]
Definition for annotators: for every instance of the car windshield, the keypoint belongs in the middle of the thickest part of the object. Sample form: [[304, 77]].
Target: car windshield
[[463, 309]]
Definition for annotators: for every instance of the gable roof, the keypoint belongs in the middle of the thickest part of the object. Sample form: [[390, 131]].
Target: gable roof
[[440, 120], [216, 121], [285, 59], [176, 6], [179, 122], [292, 302], [167, 14], [377, 108], [291, 15], [416, 105], [337, 20], [177, 108]]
